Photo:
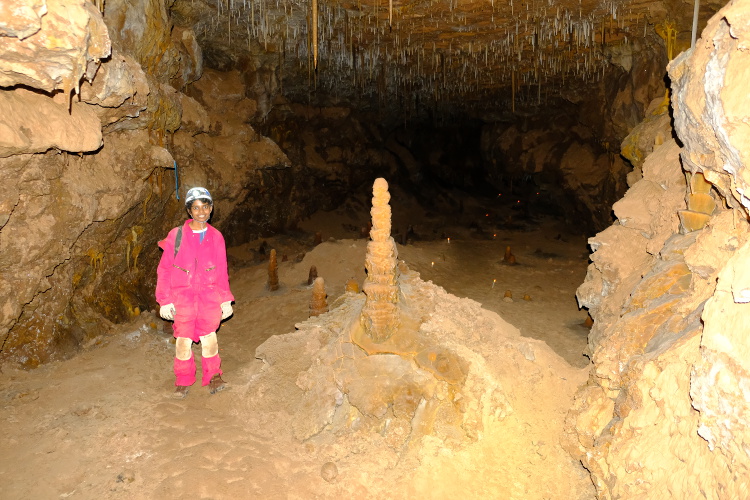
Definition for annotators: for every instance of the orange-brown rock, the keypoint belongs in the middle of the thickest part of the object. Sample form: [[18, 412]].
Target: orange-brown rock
[[273, 271], [352, 286]]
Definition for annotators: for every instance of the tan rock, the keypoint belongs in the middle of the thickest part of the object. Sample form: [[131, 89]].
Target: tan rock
[[679, 343], [219, 92], [72, 40], [119, 92], [191, 57], [709, 98], [21, 18], [33, 123]]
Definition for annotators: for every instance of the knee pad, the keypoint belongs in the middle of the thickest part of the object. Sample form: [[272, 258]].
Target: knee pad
[[182, 348], [210, 345]]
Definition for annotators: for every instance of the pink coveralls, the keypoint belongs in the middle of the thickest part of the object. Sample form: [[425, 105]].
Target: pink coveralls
[[196, 282]]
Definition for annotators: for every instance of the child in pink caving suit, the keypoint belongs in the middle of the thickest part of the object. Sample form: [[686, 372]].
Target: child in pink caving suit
[[193, 290]]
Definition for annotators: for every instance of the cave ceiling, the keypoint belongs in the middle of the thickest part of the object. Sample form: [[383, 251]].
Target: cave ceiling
[[511, 55]]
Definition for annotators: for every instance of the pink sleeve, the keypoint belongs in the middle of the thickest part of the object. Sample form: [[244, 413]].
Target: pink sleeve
[[163, 285], [222, 279]]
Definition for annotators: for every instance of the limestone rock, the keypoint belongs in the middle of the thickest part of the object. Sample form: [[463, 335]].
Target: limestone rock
[[72, 40], [710, 104], [654, 130], [255, 173], [652, 204], [194, 116], [119, 91], [142, 29], [678, 341], [191, 57], [220, 92], [21, 18], [560, 160], [718, 387], [33, 123], [58, 292]]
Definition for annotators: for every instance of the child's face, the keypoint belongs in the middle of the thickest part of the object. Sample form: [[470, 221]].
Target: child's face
[[200, 211]]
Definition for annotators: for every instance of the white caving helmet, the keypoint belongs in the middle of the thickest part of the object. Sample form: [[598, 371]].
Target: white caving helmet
[[197, 193]]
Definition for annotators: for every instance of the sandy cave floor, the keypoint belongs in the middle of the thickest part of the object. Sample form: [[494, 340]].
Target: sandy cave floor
[[103, 425]]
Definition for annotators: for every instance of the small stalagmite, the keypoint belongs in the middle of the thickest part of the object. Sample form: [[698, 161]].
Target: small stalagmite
[[318, 238], [509, 257], [318, 304], [380, 317], [312, 275], [273, 272]]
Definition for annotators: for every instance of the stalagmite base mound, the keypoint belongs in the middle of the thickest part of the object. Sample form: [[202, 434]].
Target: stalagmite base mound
[[467, 384], [405, 373]]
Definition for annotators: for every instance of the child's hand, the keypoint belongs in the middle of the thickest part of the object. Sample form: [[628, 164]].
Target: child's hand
[[167, 312], [226, 310]]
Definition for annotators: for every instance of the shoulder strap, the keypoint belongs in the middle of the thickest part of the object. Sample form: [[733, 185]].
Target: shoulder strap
[[177, 241]]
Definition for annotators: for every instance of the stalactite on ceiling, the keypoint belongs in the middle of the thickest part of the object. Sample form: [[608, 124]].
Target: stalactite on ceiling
[[357, 45]]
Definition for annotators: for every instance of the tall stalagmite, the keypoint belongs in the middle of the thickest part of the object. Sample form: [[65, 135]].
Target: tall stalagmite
[[380, 317]]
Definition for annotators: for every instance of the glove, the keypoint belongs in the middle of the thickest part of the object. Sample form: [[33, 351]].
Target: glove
[[167, 312], [226, 309]]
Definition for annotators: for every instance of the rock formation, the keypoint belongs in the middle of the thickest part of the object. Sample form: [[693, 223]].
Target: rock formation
[[380, 315], [51, 46], [90, 181], [664, 412]]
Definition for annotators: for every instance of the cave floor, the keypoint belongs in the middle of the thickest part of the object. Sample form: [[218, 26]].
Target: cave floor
[[103, 425]]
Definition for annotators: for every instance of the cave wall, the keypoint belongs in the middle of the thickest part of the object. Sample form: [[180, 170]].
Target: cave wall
[[342, 150], [95, 116], [664, 413], [560, 158], [569, 149]]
